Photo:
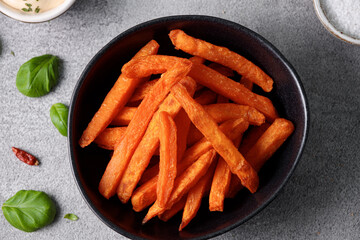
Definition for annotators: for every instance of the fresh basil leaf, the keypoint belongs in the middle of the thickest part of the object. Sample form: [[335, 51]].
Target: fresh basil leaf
[[59, 116], [29, 210], [38, 76], [71, 217]]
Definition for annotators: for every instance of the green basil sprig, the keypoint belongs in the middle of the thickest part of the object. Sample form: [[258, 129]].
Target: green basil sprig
[[71, 217], [38, 76], [59, 116], [29, 210]]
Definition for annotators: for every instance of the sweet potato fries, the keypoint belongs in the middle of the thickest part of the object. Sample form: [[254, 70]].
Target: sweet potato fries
[[197, 115]]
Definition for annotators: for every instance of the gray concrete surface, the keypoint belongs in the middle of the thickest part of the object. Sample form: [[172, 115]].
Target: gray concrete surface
[[321, 200]]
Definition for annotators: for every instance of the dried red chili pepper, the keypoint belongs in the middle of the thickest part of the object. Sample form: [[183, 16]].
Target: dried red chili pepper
[[25, 157]]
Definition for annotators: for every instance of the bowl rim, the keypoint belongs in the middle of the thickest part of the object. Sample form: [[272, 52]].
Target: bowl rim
[[36, 18], [137, 27], [330, 27]]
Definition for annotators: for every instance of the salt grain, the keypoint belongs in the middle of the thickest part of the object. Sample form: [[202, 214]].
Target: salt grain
[[344, 15]]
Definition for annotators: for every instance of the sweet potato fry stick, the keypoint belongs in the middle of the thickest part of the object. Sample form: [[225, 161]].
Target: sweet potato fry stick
[[221, 112], [219, 141], [109, 137], [264, 148], [146, 193], [168, 158], [123, 118], [195, 195], [148, 65], [142, 90], [148, 145], [115, 100], [182, 124], [184, 183], [177, 207], [232, 90], [221, 69], [137, 127], [222, 56], [220, 183]]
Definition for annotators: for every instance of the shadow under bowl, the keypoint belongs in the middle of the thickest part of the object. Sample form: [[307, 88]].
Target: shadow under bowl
[[88, 164]]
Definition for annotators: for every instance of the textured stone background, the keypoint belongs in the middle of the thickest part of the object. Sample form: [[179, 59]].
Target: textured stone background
[[321, 200]]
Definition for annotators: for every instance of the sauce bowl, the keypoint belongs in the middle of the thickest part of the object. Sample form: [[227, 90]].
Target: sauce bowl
[[37, 17], [330, 27]]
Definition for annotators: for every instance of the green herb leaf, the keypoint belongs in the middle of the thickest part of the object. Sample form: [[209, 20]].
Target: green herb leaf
[[29, 210], [12, 53], [59, 116], [38, 76], [71, 217], [26, 9], [37, 9], [28, 5]]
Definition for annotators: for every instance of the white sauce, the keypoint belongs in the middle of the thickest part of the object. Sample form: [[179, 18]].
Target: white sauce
[[33, 6], [344, 15]]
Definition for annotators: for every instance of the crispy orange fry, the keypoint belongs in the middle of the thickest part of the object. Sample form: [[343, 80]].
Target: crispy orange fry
[[137, 127], [195, 196], [168, 158], [177, 207], [184, 183], [222, 56], [219, 141], [232, 90], [148, 65], [146, 193], [123, 118], [142, 90], [115, 100], [221, 69], [264, 148], [109, 137], [148, 145], [221, 112], [221, 183]]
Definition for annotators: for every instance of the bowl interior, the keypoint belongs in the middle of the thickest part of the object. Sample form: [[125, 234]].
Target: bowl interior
[[101, 73]]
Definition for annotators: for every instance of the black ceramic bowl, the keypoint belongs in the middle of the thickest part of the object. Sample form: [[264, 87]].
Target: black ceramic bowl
[[99, 76]]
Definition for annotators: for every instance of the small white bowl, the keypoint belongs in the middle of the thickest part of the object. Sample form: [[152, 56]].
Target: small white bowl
[[35, 18], [325, 22]]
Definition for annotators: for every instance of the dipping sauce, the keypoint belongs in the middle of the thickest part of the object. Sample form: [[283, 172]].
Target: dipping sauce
[[344, 15], [33, 6]]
